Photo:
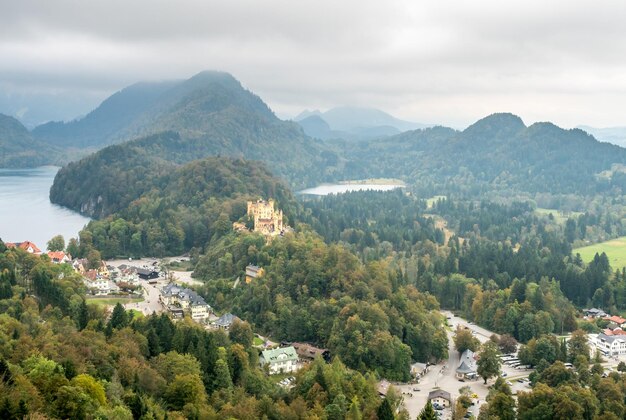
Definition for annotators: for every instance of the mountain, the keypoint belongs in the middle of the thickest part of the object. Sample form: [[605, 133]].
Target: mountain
[[615, 135], [18, 149], [497, 153], [109, 122], [353, 123], [211, 114]]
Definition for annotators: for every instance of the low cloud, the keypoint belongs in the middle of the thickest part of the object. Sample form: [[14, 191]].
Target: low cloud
[[442, 62]]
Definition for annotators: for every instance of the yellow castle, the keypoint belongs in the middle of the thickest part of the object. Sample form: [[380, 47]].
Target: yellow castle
[[267, 220]]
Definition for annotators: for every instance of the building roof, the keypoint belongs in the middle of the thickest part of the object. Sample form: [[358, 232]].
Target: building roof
[[25, 246], [308, 351], [617, 319], [253, 271], [58, 255], [383, 387], [226, 319], [468, 362], [280, 354], [610, 338], [439, 393], [188, 295]]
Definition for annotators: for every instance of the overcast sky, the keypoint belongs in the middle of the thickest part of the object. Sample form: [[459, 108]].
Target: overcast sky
[[443, 62]]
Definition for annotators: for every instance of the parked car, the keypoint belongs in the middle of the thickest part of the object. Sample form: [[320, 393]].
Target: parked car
[[503, 374]]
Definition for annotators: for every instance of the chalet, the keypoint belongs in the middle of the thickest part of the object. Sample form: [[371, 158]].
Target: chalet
[[440, 398], [252, 272], [27, 246], [225, 321], [59, 257], [280, 360], [147, 274], [467, 368], [307, 352]]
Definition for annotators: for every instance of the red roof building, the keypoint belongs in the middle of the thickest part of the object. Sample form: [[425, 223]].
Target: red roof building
[[27, 246], [59, 257]]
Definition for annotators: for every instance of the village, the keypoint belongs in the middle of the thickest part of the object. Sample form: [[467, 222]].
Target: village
[[150, 285]]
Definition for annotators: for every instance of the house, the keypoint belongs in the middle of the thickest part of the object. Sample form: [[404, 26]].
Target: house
[[175, 296], [252, 272], [615, 321], [307, 352], [440, 397], [99, 285], [27, 246], [467, 368], [611, 345], [594, 313], [280, 360], [419, 369], [225, 321], [59, 257], [147, 274]]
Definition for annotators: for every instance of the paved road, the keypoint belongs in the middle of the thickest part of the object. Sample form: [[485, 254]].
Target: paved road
[[443, 376]]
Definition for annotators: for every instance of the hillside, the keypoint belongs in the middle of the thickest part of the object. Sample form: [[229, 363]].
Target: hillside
[[212, 114], [150, 206], [497, 153], [18, 149]]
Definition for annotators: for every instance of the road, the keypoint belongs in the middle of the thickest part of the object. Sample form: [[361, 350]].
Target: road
[[443, 376]]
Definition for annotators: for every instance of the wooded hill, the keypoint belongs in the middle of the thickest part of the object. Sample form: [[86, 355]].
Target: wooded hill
[[211, 113], [18, 149], [497, 153], [153, 207]]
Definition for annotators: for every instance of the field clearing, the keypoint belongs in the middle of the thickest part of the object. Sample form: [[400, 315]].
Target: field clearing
[[559, 215], [615, 250], [430, 202], [113, 301]]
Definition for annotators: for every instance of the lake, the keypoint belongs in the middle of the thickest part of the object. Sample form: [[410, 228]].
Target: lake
[[26, 213], [326, 189]]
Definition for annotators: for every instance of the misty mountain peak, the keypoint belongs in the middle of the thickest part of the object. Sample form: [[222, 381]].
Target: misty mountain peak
[[499, 125]]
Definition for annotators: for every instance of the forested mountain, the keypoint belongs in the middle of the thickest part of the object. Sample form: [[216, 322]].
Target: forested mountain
[[211, 113], [158, 208], [497, 153], [18, 149], [109, 122]]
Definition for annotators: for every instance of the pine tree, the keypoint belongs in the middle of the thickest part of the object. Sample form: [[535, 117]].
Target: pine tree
[[119, 317], [83, 315], [427, 413], [384, 411]]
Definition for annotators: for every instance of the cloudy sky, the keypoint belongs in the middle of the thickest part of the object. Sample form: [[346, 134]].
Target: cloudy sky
[[444, 62]]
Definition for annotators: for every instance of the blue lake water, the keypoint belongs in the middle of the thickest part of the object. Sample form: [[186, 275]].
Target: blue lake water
[[326, 189], [26, 213]]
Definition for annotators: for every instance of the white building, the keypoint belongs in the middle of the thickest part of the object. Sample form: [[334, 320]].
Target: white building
[[611, 345], [280, 360]]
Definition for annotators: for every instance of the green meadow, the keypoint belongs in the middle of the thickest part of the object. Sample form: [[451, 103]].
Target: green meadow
[[615, 250]]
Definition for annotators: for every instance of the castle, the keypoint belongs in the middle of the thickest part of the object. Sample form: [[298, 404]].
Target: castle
[[267, 220]]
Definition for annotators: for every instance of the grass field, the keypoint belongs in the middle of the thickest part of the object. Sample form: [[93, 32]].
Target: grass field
[[430, 202], [615, 249], [113, 301], [559, 215]]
